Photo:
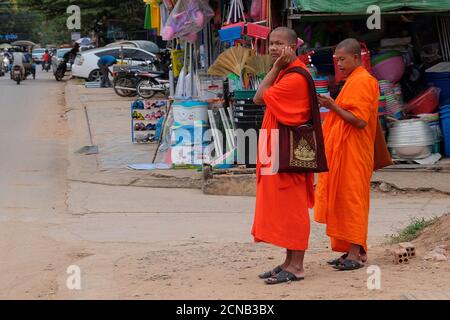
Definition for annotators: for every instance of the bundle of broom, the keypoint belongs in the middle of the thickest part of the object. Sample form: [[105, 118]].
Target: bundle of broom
[[257, 66], [243, 66], [230, 64]]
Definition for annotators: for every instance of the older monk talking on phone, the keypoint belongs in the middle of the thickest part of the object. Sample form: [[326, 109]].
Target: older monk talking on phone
[[282, 199]]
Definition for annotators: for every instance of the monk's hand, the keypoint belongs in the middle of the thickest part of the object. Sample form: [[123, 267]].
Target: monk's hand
[[286, 58], [326, 101]]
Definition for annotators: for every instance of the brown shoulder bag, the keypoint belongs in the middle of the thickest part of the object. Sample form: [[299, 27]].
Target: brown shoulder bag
[[301, 148]]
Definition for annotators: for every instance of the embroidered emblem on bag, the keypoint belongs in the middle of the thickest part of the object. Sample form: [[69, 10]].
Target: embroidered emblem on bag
[[304, 152], [303, 155]]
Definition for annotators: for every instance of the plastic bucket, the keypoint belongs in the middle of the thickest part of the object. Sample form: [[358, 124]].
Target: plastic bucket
[[189, 135], [190, 112], [442, 81], [445, 129]]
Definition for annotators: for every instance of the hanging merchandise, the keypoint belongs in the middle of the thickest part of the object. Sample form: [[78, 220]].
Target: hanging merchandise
[[169, 4], [231, 34], [187, 18], [177, 60], [236, 12], [155, 16], [256, 10], [257, 32], [147, 20], [188, 84], [230, 64]]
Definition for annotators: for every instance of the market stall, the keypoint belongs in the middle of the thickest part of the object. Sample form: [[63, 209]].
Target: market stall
[[408, 54], [218, 55]]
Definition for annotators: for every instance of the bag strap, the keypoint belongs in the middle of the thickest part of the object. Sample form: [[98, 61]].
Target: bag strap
[[315, 111]]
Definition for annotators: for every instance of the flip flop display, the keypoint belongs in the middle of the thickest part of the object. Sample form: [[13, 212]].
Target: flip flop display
[[145, 116]]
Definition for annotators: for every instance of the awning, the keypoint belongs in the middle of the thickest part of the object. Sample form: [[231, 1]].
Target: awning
[[360, 7]]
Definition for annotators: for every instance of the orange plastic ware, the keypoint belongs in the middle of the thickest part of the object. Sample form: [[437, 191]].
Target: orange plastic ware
[[426, 102]]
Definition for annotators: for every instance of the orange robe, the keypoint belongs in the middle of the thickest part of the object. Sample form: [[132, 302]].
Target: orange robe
[[282, 200], [343, 193]]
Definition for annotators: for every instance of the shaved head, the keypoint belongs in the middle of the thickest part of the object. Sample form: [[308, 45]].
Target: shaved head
[[350, 46], [290, 34]]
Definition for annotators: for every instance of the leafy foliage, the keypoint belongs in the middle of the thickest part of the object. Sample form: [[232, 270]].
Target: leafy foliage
[[128, 15]]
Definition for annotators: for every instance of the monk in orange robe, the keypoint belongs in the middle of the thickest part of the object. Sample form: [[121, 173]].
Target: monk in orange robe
[[343, 193], [282, 199]]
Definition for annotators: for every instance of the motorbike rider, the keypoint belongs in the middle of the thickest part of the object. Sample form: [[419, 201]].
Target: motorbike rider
[[45, 59], [69, 55], [18, 60]]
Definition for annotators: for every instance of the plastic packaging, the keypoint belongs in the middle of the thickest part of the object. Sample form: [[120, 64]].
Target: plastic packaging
[[255, 10], [187, 18]]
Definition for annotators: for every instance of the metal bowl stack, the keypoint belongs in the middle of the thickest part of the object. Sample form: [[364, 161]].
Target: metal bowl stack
[[411, 139]]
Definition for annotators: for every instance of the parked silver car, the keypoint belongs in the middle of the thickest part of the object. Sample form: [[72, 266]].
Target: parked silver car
[[58, 57]]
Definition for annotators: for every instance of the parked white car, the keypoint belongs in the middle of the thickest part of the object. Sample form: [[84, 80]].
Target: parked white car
[[85, 65]]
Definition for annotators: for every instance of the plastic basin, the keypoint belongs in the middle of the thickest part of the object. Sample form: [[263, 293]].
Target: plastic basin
[[391, 69]]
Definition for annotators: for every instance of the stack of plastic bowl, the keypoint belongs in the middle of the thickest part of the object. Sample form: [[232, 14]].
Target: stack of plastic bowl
[[321, 84], [411, 139], [444, 114], [393, 97]]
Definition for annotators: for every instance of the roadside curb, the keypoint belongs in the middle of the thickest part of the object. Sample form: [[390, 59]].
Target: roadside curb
[[85, 168]]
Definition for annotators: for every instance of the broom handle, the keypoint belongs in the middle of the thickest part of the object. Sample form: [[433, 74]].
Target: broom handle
[[230, 12], [241, 8]]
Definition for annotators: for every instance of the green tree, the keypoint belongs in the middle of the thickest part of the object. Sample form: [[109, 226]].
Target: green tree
[[127, 15]]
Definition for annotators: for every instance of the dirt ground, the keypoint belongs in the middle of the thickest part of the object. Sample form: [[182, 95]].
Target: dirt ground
[[205, 271]]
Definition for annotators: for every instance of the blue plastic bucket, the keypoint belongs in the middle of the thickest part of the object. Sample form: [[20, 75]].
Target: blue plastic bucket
[[442, 81], [445, 128]]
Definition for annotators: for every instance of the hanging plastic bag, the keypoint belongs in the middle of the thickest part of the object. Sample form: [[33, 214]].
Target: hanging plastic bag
[[255, 10], [177, 61], [187, 18]]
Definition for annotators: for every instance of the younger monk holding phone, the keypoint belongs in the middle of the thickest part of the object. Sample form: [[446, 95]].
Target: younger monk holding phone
[[343, 193]]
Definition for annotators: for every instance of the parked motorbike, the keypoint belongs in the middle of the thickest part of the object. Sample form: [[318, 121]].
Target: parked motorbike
[[61, 70], [125, 82], [150, 83], [17, 74]]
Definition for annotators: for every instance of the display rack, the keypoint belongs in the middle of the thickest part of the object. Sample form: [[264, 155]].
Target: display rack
[[145, 119]]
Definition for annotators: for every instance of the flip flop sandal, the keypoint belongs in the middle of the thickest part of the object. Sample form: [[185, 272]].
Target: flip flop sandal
[[348, 264], [337, 261], [271, 273], [283, 276]]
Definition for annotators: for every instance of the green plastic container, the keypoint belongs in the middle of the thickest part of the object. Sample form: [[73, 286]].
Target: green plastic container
[[244, 94]]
